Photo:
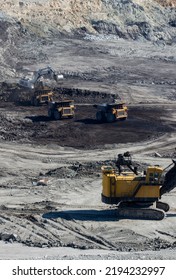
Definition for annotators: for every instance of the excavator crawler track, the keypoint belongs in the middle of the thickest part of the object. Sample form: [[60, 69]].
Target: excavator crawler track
[[141, 213], [163, 206]]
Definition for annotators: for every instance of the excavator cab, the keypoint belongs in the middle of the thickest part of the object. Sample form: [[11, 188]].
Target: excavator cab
[[154, 174]]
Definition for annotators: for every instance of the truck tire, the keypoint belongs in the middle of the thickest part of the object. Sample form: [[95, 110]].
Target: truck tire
[[123, 119], [36, 102], [50, 113], [99, 116], [57, 115], [32, 101], [110, 117]]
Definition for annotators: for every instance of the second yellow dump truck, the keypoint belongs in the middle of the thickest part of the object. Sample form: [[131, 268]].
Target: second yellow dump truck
[[61, 109]]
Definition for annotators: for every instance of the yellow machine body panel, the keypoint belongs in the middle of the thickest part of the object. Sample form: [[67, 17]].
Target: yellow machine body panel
[[130, 186]]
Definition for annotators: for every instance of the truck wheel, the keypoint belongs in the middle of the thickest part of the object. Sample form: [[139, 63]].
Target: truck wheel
[[99, 116], [50, 114], [110, 117], [36, 102], [57, 115], [32, 101]]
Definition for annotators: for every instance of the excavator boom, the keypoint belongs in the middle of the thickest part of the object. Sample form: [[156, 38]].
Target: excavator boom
[[45, 73]]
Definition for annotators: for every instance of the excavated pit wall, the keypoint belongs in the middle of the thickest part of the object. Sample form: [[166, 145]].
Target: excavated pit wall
[[13, 93], [26, 26], [125, 18]]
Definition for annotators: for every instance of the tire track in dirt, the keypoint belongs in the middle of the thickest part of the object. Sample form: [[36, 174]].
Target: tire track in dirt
[[79, 231], [33, 230], [23, 227], [30, 230]]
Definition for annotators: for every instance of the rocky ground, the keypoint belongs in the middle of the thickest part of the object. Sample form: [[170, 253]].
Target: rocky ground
[[50, 171]]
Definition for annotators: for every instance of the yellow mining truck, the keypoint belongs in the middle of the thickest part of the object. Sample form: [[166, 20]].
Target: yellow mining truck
[[111, 112], [42, 97], [137, 195], [61, 109]]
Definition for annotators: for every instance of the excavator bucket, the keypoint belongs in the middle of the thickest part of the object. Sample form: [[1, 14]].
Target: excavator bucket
[[170, 180], [58, 77]]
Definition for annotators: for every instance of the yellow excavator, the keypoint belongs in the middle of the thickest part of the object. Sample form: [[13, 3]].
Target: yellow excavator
[[137, 195]]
